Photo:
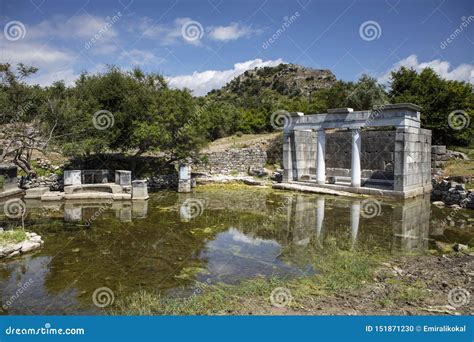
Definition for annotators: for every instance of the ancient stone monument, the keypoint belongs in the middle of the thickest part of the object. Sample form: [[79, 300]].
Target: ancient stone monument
[[402, 155], [184, 182]]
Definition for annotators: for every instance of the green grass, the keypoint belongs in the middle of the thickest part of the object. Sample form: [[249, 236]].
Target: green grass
[[467, 150], [2, 182], [339, 272], [12, 236], [404, 291], [461, 167]]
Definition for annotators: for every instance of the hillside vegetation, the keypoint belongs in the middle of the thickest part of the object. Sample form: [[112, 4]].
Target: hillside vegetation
[[136, 113]]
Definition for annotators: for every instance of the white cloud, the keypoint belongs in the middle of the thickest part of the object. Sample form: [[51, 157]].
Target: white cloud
[[231, 32], [32, 53], [463, 72], [48, 78], [166, 34], [172, 33], [77, 27], [203, 82], [140, 57]]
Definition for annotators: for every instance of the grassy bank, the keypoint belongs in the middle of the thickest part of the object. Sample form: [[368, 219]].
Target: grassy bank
[[339, 272], [12, 236]]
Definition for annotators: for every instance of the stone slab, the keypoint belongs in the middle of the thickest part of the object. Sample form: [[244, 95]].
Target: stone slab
[[36, 193]]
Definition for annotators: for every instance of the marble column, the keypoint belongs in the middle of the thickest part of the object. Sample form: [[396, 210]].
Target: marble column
[[321, 152], [355, 165]]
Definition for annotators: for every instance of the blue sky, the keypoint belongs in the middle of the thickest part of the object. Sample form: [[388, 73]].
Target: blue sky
[[203, 44]]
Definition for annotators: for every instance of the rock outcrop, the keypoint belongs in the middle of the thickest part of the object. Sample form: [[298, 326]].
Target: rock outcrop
[[286, 79], [32, 242]]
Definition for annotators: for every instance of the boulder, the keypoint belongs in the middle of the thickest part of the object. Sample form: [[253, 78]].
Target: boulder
[[460, 247]]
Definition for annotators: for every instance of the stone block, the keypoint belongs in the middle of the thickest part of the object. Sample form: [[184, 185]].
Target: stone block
[[123, 177], [72, 177], [139, 189], [36, 193]]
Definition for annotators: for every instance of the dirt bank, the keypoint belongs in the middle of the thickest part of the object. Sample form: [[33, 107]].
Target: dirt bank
[[404, 286]]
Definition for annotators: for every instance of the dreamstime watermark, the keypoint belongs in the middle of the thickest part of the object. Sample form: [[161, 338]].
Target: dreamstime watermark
[[14, 30], [370, 30], [14, 208], [46, 330], [191, 208], [21, 289], [370, 208], [281, 119], [99, 212], [286, 24], [103, 297], [192, 31], [464, 24], [281, 297], [103, 119], [458, 120], [458, 297], [110, 21], [199, 288]]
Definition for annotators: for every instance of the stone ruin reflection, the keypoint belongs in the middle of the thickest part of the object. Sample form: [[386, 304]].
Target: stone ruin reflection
[[88, 211], [404, 226]]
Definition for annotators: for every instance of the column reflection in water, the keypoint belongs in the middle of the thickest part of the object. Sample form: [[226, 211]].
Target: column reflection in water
[[320, 202], [140, 209], [72, 213], [400, 226], [355, 218], [411, 224], [304, 220]]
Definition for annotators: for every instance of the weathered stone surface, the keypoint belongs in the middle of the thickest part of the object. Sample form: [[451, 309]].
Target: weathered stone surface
[[139, 189], [452, 194], [460, 247], [232, 161], [29, 245], [33, 241]]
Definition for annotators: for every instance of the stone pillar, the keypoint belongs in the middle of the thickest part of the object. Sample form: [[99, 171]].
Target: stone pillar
[[72, 177], [412, 169], [355, 217], [139, 190], [288, 152], [184, 182], [321, 155], [355, 171], [123, 177], [319, 216]]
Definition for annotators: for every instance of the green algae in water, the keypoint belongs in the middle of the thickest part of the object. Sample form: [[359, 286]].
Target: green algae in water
[[239, 234]]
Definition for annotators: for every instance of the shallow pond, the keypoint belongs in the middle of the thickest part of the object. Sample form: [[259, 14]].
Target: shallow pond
[[173, 242]]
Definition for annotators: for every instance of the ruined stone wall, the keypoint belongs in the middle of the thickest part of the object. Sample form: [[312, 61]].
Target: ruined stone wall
[[377, 153], [231, 160], [439, 157], [412, 159]]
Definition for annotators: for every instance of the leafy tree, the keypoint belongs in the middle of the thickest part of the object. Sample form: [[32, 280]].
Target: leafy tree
[[438, 98], [128, 112], [22, 127]]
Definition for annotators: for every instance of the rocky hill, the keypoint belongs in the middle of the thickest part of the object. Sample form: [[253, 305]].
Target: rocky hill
[[286, 79]]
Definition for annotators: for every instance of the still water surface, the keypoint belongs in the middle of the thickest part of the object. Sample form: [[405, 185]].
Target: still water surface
[[216, 234]]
